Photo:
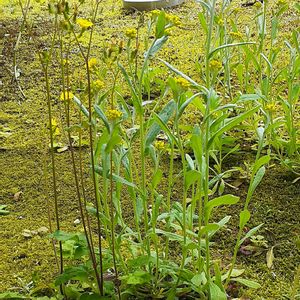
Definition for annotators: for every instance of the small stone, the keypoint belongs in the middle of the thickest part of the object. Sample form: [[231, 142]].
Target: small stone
[[76, 222], [18, 195], [27, 234], [42, 230]]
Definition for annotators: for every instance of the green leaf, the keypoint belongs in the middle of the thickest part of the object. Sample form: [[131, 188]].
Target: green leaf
[[270, 257], [81, 106], [160, 25], [63, 236], [190, 80], [115, 177], [260, 162], [246, 282], [256, 181], [156, 178], [250, 233], [249, 97], [102, 116], [203, 22], [228, 46], [186, 103], [244, 218], [3, 210], [222, 200], [232, 123], [234, 273], [191, 177], [136, 278], [113, 141], [80, 273], [11, 295], [216, 292], [136, 103], [213, 227], [156, 46], [164, 115]]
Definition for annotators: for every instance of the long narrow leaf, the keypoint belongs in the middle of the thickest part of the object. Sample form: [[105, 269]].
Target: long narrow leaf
[[232, 123], [228, 46]]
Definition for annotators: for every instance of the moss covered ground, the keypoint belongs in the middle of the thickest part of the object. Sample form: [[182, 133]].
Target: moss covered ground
[[25, 186]]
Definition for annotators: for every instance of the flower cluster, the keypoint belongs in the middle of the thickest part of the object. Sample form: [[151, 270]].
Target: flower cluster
[[173, 19], [215, 64], [113, 114], [220, 22], [271, 107], [84, 24], [98, 84], [93, 62], [257, 4], [183, 83], [155, 13], [67, 95], [131, 33], [159, 145], [236, 35], [55, 128]]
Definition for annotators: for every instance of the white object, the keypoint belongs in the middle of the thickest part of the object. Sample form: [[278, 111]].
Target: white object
[[150, 4]]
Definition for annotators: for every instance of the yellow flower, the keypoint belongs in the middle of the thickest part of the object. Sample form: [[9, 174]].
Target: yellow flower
[[131, 33], [236, 34], [258, 4], [168, 31], [113, 114], [155, 13], [84, 24], [182, 82], [55, 128], [220, 22], [65, 62], [173, 19], [66, 96], [215, 64], [93, 62], [159, 145], [271, 106], [99, 84]]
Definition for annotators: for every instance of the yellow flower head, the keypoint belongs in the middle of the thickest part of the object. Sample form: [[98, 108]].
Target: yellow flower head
[[271, 106], [131, 33], [159, 145], [113, 114], [66, 96], [173, 19], [55, 128], [215, 64], [220, 22], [155, 13], [236, 35], [182, 82], [65, 62], [168, 31], [258, 4], [93, 62], [99, 84], [84, 24]]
